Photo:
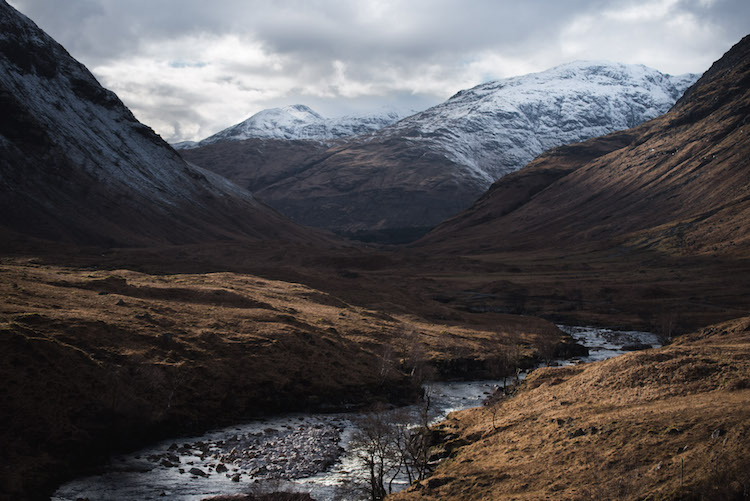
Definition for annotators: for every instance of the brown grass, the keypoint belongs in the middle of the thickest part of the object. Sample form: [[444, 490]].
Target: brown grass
[[672, 423], [97, 360]]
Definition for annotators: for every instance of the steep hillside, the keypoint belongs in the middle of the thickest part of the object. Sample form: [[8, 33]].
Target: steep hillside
[[75, 165], [671, 423], [679, 185], [411, 175], [647, 226]]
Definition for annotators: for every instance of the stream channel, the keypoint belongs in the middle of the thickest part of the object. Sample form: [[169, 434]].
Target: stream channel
[[294, 452]]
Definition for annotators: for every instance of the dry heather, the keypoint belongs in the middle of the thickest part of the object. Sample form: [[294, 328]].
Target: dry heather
[[93, 361], [672, 423]]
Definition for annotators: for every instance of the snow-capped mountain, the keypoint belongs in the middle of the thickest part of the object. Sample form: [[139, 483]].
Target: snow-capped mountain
[[298, 122], [497, 127], [677, 184], [76, 165], [426, 168]]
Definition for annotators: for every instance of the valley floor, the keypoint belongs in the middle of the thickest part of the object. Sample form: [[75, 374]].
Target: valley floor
[[98, 357], [99, 360]]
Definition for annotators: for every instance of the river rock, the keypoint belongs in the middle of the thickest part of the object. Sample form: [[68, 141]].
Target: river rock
[[198, 472]]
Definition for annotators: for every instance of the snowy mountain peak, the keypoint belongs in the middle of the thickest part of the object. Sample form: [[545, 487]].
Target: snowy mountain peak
[[301, 112], [273, 117], [497, 127], [423, 169], [298, 121]]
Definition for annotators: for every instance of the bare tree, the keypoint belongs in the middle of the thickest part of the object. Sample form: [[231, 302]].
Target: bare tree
[[394, 444], [667, 323], [505, 364], [387, 363], [415, 362], [417, 451], [375, 445], [547, 341], [507, 361]]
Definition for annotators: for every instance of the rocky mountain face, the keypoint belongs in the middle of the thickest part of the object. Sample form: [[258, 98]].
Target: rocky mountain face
[[76, 165], [407, 177], [677, 185], [298, 122]]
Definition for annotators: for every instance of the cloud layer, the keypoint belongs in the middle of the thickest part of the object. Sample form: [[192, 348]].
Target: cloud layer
[[189, 68]]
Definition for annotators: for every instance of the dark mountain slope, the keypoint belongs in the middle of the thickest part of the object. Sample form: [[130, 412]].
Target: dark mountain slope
[[75, 164], [272, 160], [681, 185]]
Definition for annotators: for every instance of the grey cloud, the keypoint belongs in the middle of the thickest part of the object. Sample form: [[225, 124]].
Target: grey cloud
[[386, 46], [733, 16], [419, 28], [321, 30]]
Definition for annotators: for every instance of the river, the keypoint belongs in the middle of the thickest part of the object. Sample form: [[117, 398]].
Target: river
[[294, 452]]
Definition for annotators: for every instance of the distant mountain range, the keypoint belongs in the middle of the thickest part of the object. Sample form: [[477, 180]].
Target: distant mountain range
[[399, 181], [75, 164]]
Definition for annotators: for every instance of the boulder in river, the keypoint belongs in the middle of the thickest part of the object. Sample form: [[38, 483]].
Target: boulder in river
[[198, 472]]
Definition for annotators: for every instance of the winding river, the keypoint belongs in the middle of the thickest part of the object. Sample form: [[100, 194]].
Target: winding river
[[295, 452]]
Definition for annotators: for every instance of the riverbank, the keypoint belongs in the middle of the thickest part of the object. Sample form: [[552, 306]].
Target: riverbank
[[310, 453], [97, 362], [669, 423]]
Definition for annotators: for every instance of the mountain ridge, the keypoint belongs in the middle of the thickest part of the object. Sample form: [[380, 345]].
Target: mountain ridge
[[594, 87]]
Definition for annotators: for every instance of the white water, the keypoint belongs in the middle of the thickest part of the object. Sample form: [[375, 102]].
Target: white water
[[284, 452]]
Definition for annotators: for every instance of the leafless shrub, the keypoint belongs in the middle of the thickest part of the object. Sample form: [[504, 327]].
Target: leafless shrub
[[666, 325], [393, 443], [546, 342], [387, 364], [505, 364]]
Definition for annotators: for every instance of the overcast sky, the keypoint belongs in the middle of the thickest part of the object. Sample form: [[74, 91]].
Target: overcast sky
[[189, 68]]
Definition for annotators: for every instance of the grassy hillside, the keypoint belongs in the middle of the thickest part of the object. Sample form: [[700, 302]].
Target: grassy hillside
[[671, 423], [98, 360]]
